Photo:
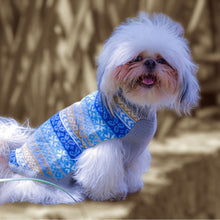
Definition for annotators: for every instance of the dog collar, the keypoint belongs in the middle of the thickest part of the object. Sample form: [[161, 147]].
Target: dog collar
[[51, 151]]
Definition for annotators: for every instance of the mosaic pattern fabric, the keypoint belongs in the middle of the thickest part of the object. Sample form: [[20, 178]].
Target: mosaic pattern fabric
[[52, 150]]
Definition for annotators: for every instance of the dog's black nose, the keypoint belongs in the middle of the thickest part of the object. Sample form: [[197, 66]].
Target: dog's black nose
[[150, 64]]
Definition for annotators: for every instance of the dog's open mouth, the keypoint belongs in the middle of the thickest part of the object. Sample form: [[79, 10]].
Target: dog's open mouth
[[147, 81]]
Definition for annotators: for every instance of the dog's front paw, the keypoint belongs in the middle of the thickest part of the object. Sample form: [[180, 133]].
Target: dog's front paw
[[113, 194], [135, 183], [135, 188], [102, 196], [119, 197]]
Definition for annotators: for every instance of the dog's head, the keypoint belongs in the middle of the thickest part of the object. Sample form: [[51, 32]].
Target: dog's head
[[148, 60]]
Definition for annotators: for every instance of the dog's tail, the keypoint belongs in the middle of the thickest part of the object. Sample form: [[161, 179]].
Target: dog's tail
[[12, 135]]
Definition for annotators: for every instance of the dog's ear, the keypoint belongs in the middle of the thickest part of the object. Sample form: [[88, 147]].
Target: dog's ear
[[188, 95]]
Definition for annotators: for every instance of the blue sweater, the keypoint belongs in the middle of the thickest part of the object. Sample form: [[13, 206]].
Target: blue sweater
[[51, 151]]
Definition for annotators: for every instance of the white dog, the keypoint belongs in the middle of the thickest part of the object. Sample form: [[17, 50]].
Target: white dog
[[97, 148]]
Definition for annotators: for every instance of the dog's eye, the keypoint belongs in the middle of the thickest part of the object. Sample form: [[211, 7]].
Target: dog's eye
[[162, 61], [137, 59]]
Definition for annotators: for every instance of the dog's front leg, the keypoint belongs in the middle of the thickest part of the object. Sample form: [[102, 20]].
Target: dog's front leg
[[135, 171], [101, 171]]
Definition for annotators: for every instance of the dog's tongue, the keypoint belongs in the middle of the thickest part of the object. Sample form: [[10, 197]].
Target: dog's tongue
[[147, 80]]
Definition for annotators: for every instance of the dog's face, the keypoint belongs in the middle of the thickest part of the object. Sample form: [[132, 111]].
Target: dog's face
[[149, 62], [147, 79]]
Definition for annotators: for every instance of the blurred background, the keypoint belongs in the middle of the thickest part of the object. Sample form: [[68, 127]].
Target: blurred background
[[48, 51]]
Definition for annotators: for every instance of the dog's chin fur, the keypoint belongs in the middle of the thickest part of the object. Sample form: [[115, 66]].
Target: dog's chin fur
[[102, 173]]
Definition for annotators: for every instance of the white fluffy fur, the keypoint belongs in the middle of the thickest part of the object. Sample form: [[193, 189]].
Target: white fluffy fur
[[101, 173], [110, 179]]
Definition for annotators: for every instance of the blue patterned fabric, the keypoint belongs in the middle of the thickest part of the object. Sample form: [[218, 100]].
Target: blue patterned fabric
[[51, 151]]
